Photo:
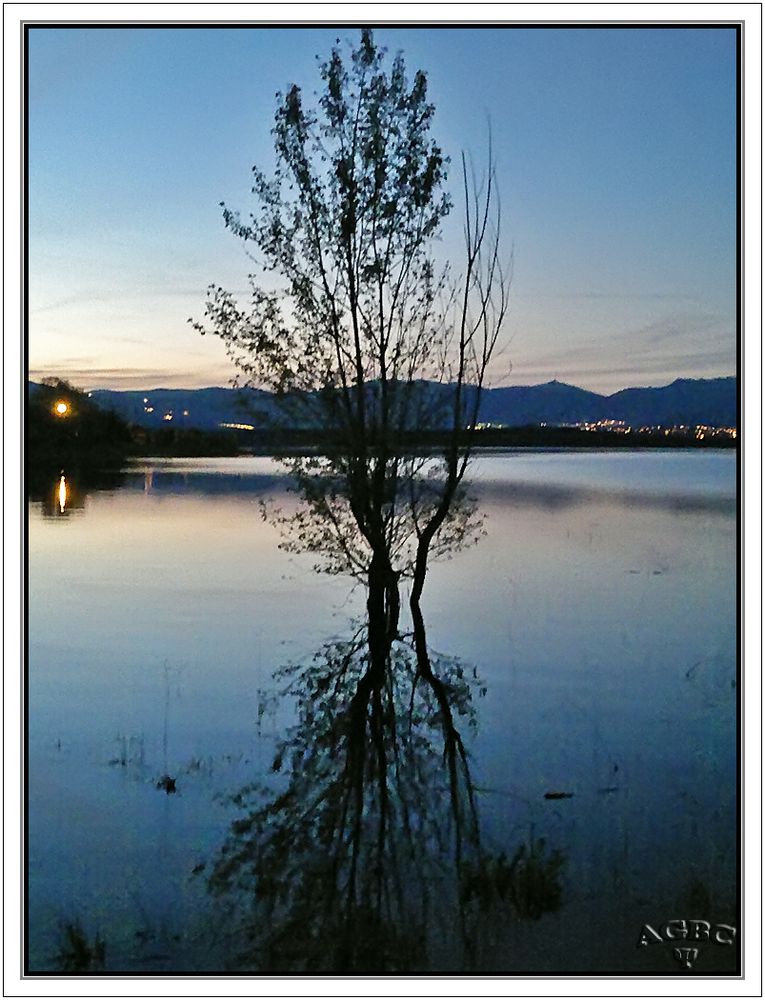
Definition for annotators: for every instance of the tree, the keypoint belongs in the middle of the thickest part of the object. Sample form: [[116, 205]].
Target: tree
[[358, 331], [64, 426]]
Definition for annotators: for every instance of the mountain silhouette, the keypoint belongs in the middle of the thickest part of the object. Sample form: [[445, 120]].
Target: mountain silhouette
[[686, 401]]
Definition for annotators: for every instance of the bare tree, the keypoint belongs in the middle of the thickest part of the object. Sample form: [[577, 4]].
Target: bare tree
[[358, 330]]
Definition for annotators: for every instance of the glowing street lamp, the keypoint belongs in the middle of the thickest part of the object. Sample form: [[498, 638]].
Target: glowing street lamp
[[61, 408]]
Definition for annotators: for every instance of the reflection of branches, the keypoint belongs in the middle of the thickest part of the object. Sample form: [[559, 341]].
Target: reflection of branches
[[337, 522], [367, 342], [373, 832], [347, 851]]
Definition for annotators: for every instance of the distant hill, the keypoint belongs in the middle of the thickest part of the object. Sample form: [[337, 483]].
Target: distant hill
[[685, 401], [551, 403], [204, 409]]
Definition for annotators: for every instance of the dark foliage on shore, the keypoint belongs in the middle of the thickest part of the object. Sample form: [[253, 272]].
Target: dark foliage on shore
[[276, 442], [184, 443], [64, 427]]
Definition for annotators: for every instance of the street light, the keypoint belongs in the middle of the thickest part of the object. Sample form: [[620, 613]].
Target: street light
[[61, 408]]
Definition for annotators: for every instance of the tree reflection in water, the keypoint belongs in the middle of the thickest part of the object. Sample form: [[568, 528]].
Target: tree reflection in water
[[366, 337], [370, 851]]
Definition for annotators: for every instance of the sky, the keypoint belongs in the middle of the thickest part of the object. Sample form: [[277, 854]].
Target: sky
[[616, 159]]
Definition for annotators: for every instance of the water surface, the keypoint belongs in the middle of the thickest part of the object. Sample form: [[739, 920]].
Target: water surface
[[599, 612]]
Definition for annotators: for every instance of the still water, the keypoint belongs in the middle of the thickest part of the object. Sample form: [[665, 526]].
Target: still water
[[597, 616]]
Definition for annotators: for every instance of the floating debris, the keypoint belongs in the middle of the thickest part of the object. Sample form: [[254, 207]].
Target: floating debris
[[77, 953], [559, 795], [167, 784]]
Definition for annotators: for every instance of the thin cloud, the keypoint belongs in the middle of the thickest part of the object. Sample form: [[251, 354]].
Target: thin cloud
[[89, 378], [86, 298], [611, 378], [608, 296], [688, 334]]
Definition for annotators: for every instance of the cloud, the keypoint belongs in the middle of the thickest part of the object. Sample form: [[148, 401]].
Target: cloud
[[88, 298], [87, 361], [609, 364], [609, 296], [686, 340], [671, 367], [89, 378]]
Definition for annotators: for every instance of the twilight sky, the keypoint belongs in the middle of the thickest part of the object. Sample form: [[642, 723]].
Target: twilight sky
[[616, 153]]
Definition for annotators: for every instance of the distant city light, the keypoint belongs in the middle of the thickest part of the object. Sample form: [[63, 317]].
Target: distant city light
[[700, 432], [168, 416], [61, 408], [238, 427], [62, 494]]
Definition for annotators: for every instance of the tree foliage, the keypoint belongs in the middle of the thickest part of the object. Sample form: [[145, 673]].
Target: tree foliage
[[351, 320], [358, 329], [83, 433]]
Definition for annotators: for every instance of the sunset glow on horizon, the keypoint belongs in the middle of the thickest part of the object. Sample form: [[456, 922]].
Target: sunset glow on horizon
[[617, 167]]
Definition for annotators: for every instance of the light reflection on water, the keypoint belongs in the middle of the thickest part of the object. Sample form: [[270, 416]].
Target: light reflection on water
[[600, 612]]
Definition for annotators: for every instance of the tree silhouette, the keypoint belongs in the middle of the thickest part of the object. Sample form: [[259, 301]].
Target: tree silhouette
[[356, 328], [65, 425], [366, 339]]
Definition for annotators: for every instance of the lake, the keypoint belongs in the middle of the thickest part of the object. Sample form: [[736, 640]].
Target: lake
[[597, 616]]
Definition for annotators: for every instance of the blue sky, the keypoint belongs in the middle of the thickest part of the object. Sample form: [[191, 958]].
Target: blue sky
[[617, 167]]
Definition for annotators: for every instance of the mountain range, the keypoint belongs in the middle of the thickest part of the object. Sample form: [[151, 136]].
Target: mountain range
[[685, 401]]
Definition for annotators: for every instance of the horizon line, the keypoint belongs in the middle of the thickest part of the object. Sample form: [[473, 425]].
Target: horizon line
[[489, 388]]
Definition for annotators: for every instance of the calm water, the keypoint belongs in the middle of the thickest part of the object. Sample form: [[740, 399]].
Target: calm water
[[599, 613]]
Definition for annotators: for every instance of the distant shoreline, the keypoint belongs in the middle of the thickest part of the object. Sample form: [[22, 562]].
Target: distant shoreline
[[553, 438]]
